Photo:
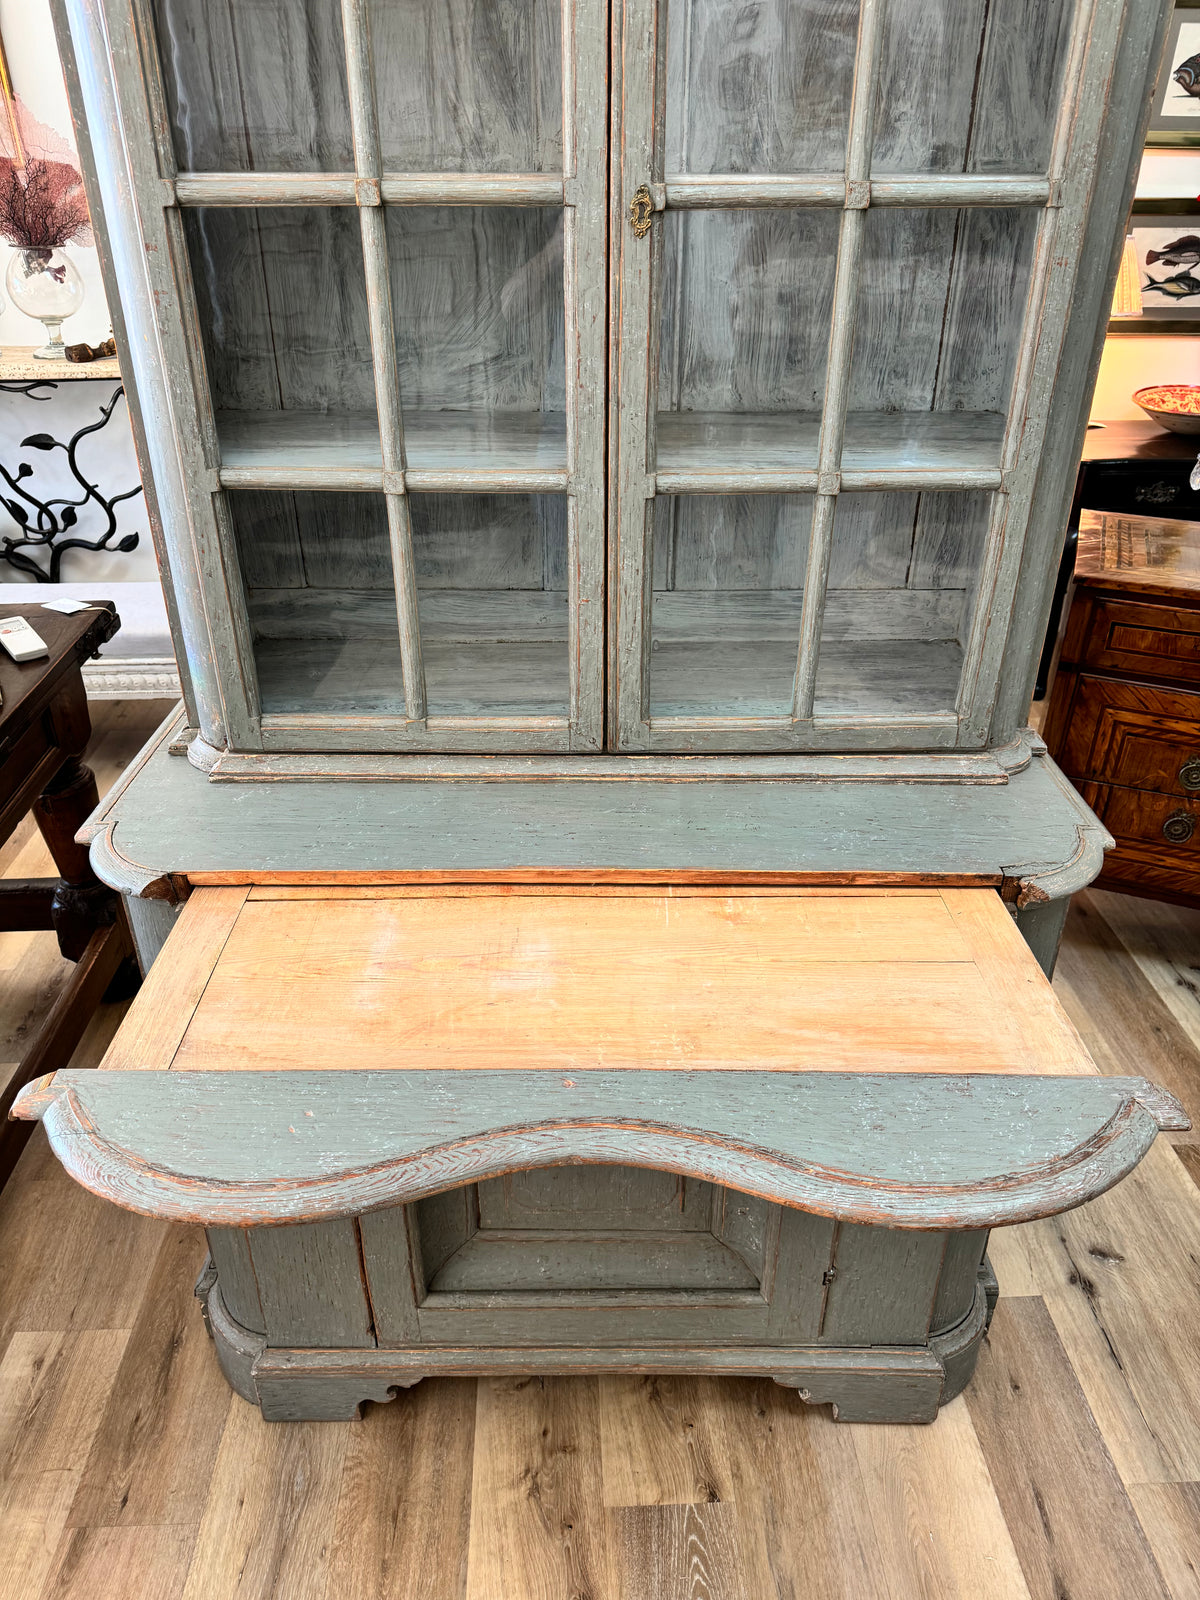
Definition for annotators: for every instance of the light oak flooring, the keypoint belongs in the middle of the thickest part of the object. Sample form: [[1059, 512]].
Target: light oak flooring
[[1070, 1470]]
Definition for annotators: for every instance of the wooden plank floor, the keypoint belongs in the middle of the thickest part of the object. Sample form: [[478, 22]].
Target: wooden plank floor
[[1069, 1471]]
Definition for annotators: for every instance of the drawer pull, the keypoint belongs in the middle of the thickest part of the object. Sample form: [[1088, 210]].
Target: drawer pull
[[1189, 773], [1179, 827]]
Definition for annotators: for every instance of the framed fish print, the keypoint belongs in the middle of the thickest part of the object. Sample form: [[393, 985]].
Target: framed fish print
[[1166, 248], [1175, 117]]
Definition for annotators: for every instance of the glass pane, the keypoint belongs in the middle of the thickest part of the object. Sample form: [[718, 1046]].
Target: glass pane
[[317, 571], [902, 584], [255, 85], [744, 335], [937, 330], [492, 595], [283, 314], [970, 86], [728, 587], [477, 296], [468, 85], [759, 87]]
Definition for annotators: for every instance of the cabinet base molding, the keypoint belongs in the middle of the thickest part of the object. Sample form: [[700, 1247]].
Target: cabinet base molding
[[903, 1384]]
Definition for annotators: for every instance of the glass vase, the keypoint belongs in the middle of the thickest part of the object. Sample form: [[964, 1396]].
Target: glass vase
[[45, 285]]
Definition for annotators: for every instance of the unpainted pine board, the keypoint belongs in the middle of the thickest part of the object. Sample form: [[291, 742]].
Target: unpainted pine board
[[1164, 941], [157, 1440], [687, 1551], [68, 1261], [1170, 1515], [598, 891], [404, 1508], [662, 1441], [148, 1562], [721, 983], [939, 1525], [269, 1518], [175, 983], [1120, 1017], [1016, 981], [1066, 1510], [53, 1389], [537, 1505]]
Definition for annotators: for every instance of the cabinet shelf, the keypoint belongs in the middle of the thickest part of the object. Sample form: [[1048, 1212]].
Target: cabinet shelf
[[719, 452], [698, 451], [446, 450], [855, 678]]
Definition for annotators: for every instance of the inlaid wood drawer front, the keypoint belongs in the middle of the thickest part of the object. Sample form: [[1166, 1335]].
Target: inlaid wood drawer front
[[1134, 735], [1160, 641], [1161, 828]]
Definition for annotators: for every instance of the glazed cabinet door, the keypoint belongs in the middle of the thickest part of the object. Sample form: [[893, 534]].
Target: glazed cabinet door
[[845, 234], [380, 242]]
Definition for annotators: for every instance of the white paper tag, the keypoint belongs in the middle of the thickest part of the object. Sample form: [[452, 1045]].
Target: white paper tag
[[67, 607]]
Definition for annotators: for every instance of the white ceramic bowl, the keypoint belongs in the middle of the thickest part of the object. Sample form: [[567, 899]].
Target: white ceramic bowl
[[1161, 403]]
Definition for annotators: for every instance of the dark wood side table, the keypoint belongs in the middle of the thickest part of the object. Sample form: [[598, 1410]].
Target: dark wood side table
[[44, 732], [1123, 719]]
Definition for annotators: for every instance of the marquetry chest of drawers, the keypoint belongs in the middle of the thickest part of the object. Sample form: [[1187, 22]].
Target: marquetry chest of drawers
[[1124, 713]]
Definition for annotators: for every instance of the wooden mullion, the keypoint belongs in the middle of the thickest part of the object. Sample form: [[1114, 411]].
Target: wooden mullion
[[365, 127], [841, 353], [473, 188], [638, 74], [688, 191], [395, 188], [584, 199]]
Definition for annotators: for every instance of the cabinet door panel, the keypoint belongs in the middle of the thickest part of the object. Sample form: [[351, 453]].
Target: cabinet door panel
[[833, 308], [389, 263]]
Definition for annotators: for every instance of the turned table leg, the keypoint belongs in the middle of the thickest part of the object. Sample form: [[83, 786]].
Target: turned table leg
[[81, 903]]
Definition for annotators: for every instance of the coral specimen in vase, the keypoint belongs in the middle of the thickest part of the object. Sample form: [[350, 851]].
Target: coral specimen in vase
[[42, 205]]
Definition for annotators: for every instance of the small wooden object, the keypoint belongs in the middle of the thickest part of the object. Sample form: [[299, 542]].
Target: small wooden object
[[1124, 712], [44, 731], [482, 1130]]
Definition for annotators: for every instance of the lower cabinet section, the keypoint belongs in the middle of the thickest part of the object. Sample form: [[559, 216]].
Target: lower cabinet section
[[596, 1268]]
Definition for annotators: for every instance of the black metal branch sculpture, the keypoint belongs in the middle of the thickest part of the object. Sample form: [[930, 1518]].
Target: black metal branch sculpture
[[43, 523]]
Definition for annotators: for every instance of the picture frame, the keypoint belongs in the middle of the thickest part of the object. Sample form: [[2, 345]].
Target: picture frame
[[1175, 113], [1164, 229]]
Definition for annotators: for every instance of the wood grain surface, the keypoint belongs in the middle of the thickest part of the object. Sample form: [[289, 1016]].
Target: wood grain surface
[[450, 1491], [612, 980]]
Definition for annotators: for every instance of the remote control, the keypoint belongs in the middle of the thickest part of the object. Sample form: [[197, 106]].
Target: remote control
[[20, 640]]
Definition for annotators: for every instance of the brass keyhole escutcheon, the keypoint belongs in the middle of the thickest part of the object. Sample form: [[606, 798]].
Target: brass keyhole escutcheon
[[1189, 773], [1179, 827], [641, 211]]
